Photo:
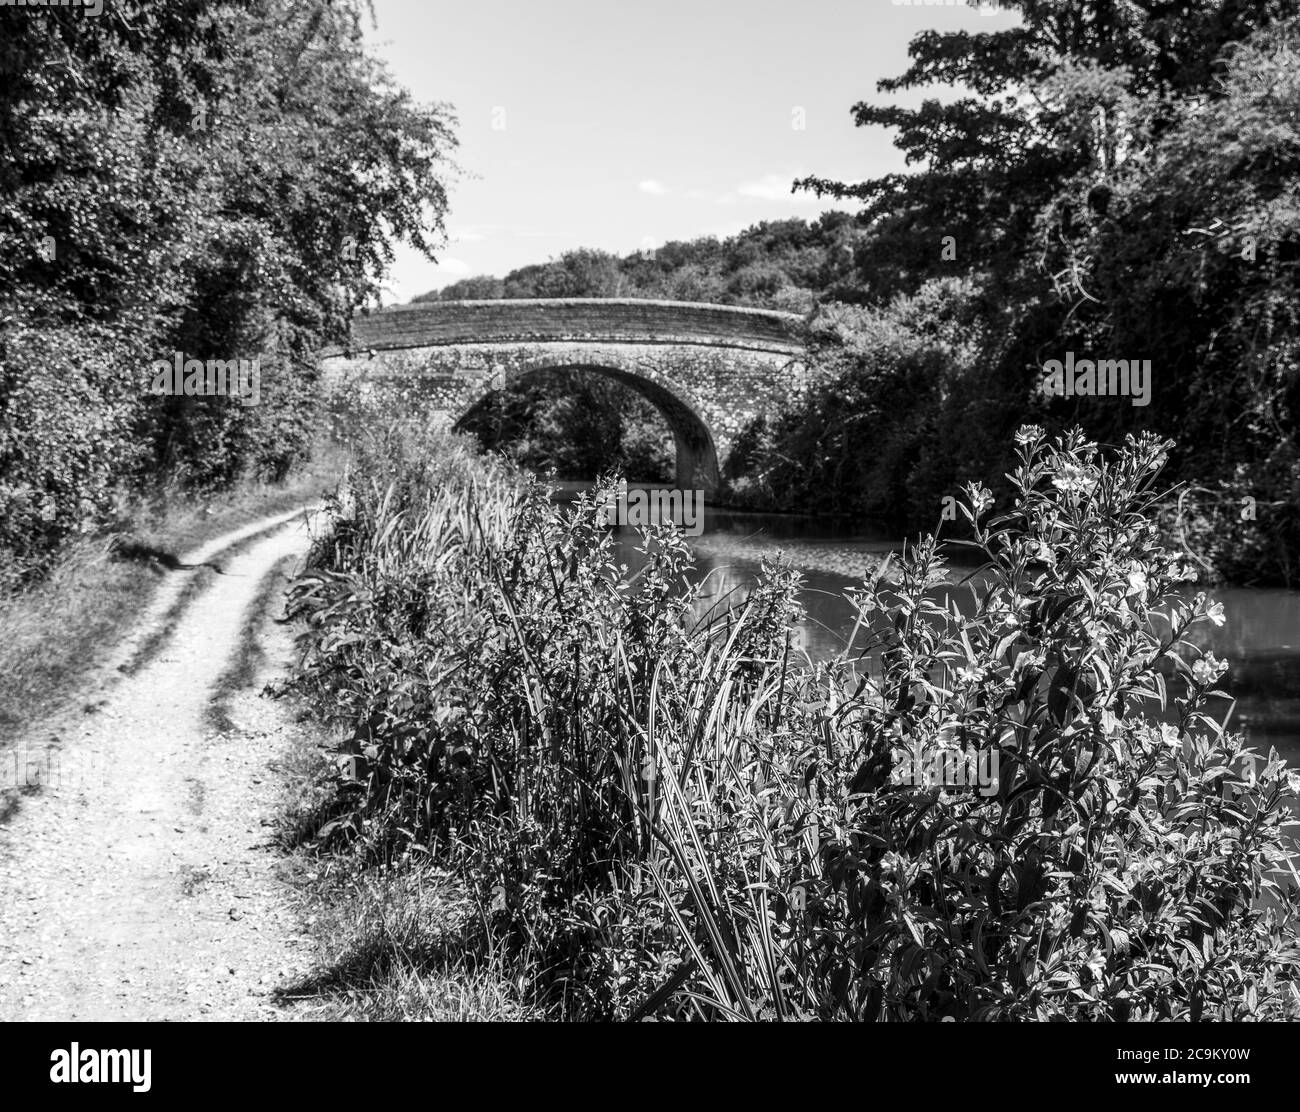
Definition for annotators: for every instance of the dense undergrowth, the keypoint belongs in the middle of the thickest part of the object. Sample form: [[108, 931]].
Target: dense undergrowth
[[651, 813]]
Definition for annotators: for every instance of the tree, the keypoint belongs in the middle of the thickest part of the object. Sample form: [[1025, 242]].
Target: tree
[[219, 179]]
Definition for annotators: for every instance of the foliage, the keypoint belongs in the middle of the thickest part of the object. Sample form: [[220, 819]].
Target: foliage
[[219, 179], [659, 815], [484, 651], [907, 379], [576, 423], [66, 437], [776, 264], [1097, 185], [1131, 863]]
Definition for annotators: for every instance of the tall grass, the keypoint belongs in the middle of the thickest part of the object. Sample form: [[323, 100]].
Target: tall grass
[[656, 815]]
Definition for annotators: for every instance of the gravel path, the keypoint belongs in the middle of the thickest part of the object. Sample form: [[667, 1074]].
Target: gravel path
[[139, 882]]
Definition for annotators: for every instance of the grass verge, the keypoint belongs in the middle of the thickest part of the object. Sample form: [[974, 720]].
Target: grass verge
[[389, 937]]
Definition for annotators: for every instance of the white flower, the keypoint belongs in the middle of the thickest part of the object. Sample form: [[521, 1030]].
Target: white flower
[[1208, 669], [1215, 613], [1028, 434], [1074, 478], [980, 498], [1169, 736]]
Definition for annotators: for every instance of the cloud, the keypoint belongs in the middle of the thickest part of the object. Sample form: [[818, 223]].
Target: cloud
[[451, 266], [654, 188], [776, 187]]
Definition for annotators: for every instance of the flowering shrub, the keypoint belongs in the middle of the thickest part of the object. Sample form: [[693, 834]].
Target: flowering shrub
[[659, 816], [1129, 866]]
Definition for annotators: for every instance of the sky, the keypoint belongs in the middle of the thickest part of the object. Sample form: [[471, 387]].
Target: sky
[[607, 124]]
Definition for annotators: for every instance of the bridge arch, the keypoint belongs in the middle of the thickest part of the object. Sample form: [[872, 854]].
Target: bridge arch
[[696, 453]]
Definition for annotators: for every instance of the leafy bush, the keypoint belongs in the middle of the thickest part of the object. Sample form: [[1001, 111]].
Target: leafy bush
[[908, 380], [1131, 863], [664, 815], [68, 445], [577, 423]]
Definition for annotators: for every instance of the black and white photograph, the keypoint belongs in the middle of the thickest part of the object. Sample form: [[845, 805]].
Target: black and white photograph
[[550, 512]]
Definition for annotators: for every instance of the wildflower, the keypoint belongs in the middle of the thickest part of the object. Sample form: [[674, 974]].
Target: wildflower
[[1137, 582], [1215, 613], [1096, 964], [1074, 478], [1208, 669], [1169, 736], [981, 498], [1029, 434]]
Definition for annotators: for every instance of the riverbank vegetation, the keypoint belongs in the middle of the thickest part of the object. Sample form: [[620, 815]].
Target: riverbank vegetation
[[643, 812]]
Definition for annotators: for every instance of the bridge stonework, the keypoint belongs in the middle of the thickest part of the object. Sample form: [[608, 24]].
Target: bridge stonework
[[709, 369]]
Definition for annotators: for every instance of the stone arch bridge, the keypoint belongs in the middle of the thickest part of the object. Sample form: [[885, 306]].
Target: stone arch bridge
[[709, 369]]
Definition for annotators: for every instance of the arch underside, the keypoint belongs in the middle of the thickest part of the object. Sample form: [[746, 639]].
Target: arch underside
[[697, 456]]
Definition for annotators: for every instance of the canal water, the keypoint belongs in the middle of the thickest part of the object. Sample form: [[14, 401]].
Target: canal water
[[1260, 638]]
